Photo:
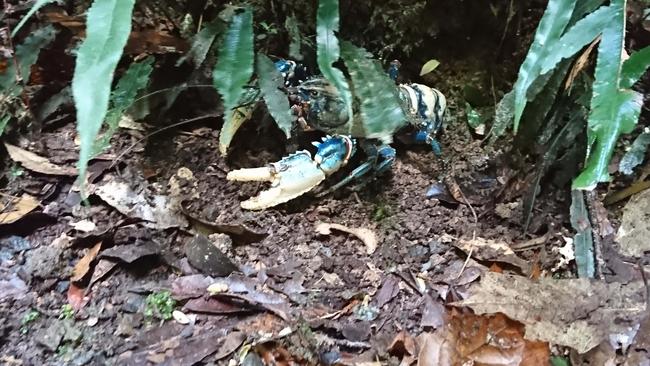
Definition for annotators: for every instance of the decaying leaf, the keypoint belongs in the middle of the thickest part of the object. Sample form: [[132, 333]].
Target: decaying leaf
[[16, 208], [435, 350], [37, 163], [635, 226], [367, 236], [83, 266], [491, 250], [160, 211], [578, 313]]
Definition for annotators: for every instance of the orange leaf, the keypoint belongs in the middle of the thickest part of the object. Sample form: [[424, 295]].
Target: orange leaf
[[83, 266]]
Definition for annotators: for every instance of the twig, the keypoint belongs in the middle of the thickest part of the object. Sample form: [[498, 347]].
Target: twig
[[191, 120], [471, 249]]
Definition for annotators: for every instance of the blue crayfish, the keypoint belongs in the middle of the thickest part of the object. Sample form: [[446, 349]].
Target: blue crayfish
[[317, 104]]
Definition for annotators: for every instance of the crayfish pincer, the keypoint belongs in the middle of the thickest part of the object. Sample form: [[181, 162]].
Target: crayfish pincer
[[318, 105]]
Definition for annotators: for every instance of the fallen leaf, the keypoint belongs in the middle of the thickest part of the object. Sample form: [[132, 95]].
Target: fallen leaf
[[429, 66], [213, 306], [160, 211], [435, 350], [433, 314], [231, 343], [83, 266], [192, 286], [17, 208], [77, 297], [270, 302], [389, 289], [37, 163], [132, 252], [403, 345], [491, 250], [103, 267], [367, 236], [577, 313]]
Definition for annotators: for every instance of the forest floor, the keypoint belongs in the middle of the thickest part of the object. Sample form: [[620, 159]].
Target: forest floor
[[97, 283]]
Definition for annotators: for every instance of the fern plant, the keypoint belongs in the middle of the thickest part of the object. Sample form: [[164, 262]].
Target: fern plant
[[566, 28], [366, 77]]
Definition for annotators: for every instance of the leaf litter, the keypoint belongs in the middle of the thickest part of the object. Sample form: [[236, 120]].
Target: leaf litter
[[577, 313]]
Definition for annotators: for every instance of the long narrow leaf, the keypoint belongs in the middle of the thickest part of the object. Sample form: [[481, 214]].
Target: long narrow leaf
[[584, 7], [276, 101], [26, 56], [583, 240], [634, 67], [381, 111], [295, 45], [234, 69], [130, 84], [551, 27], [576, 37], [202, 42], [328, 50], [107, 29], [613, 111], [37, 5], [636, 154], [4, 119]]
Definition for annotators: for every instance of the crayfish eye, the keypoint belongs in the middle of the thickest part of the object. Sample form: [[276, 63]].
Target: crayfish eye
[[313, 93]]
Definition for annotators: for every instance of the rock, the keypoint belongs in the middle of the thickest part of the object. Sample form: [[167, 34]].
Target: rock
[[132, 303], [51, 336], [44, 262], [12, 287], [12, 245], [207, 258]]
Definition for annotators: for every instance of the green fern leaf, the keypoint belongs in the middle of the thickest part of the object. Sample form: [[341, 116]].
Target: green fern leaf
[[270, 81], [233, 70], [614, 111], [107, 29], [26, 56], [576, 37], [551, 26], [634, 67], [635, 155], [380, 108], [37, 5], [202, 42], [130, 84], [328, 50]]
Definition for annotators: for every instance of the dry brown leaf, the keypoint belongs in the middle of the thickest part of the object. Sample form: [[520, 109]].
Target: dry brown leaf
[[83, 266], [491, 250], [17, 208], [37, 163], [577, 313], [367, 236], [435, 349], [160, 211], [580, 64]]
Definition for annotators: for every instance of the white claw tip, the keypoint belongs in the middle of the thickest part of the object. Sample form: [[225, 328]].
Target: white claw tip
[[251, 174]]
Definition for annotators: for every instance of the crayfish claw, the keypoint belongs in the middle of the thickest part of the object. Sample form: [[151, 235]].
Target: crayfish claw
[[290, 177]]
